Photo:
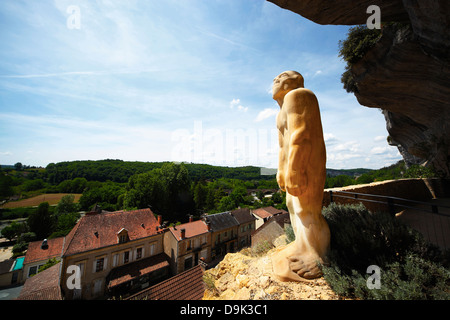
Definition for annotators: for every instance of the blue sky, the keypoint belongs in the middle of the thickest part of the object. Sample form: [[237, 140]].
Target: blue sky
[[184, 80]]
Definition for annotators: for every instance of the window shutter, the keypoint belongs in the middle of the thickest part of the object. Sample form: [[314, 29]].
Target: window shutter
[[94, 266], [105, 263]]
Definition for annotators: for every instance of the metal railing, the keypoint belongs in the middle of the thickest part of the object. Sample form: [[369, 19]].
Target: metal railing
[[441, 238], [390, 202]]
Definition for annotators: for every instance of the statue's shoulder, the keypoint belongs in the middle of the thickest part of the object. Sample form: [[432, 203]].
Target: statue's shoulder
[[300, 92], [299, 98]]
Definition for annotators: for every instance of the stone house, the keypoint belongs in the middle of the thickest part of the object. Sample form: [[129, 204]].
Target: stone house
[[39, 252], [262, 215], [271, 230], [246, 223], [186, 244], [118, 252], [224, 233]]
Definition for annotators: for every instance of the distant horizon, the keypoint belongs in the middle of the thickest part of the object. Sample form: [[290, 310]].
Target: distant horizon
[[247, 165]]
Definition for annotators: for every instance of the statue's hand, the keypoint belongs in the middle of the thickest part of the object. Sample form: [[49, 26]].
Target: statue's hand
[[297, 183], [280, 181]]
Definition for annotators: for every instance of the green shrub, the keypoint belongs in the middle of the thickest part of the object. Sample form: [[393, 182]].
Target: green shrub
[[410, 267]]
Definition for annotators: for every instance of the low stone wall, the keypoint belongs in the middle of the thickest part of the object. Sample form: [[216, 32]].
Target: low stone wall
[[411, 189]]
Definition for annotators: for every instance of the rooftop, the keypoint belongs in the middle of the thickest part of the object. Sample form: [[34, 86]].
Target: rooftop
[[42, 286], [37, 252], [99, 230], [221, 221], [187, 285], [268, 212], [192, 229], [243, 215]]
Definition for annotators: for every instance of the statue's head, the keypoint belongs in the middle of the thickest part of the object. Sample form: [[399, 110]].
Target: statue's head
[[285, 82]]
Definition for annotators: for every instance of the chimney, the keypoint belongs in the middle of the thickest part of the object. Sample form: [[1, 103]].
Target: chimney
[[208, 225], [191, 218], [183, 234], [160, 220]]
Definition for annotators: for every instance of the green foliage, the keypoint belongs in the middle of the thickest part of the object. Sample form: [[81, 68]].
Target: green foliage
[[165, 190], [41, 222], [359, 41], [13, 230], [66, 205], [417, 171], [410, 267], [50, 263], [105, 194], [6, 186]]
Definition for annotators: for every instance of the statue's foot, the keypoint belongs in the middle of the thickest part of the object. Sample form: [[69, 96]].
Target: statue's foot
[[290, 264], [306, 266]]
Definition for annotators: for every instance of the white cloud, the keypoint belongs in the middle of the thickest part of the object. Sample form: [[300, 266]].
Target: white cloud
[[329, 138], [379, 138], [237, 103], [266, 113], [234, 103], [379, 150]]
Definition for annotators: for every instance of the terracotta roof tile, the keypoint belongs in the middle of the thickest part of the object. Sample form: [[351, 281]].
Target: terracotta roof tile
[[136, 269], [95, 231], [187, 285], [42, 286], [36, 253], [268, 212], [192, 229]]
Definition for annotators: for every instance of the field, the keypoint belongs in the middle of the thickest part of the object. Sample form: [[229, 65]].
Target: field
[[51, 198]]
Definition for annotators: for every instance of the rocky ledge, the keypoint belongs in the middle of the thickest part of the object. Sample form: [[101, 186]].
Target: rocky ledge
[[244, 276], [406, 74]]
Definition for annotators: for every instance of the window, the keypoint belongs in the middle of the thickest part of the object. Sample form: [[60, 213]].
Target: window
[[188, 263], [152, 248], [126, 257], [122, 235], [99, 264], [32, 271], [115, 260], [138, 253]]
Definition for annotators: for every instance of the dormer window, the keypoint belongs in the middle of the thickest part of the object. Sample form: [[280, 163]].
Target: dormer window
[[122, 235]]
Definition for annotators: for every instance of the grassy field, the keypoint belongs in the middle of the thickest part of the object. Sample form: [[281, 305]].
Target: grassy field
[[51, 198]]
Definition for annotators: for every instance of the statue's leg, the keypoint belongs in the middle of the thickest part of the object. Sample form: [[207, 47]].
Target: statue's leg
[[299, 260]]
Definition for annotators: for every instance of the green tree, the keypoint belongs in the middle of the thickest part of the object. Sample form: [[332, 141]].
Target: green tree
[[67, 205], [18, 166], [226, 204], [13, 230], [41, 222], [6, 185]]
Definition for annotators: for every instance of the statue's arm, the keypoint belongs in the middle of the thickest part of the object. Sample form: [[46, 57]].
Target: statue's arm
[[281, 163], [299, 142]]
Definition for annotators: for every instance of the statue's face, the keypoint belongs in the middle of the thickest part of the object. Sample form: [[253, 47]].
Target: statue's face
[[285, 82]]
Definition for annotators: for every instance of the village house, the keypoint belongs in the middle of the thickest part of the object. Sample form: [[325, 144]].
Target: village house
[[246, 223], [186, 244], [270, 231], [262, 215], [39, 252], [224, 229], [118, 252]]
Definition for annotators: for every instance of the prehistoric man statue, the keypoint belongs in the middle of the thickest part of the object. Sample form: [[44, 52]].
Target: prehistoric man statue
[[301, 173]]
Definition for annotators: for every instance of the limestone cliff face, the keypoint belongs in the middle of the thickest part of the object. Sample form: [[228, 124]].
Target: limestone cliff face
[[406, 74], [242, 276]]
